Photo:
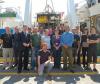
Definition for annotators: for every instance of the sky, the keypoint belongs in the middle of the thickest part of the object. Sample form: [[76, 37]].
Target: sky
[[37, 5]]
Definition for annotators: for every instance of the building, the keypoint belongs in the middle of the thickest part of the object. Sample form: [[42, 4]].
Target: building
[[83, 16], [94, 9]]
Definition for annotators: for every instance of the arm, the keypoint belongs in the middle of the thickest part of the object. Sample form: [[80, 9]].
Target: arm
[[62, 43], [49, 60], [93, 41], [1, 39], [38, 63], [23, 40]]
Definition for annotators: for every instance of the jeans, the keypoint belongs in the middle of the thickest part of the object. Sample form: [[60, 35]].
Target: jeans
[[34, 57], [45, 66]]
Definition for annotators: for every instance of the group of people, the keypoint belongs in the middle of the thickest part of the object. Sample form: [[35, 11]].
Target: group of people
[[47, 45]]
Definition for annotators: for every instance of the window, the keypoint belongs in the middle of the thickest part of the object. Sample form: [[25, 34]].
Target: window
[[91, 2]]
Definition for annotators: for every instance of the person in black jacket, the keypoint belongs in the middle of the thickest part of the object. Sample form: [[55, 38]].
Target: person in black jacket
[[25, 42], [84, 46], [93, 39], [7, 39], [16, 45]]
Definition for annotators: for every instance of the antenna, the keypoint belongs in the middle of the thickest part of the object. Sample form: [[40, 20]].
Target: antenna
[[49, 8]]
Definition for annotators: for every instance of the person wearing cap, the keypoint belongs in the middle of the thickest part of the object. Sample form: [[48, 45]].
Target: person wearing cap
[[67, 39]]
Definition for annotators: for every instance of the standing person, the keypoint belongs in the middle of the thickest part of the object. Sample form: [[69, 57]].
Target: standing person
[[92, 50], [25, 40], [56, 49], [7, 48], [16, 45], [61, 29], [44, 59], [84, 46], [36, 42], [46, 38], [67, 39], [79, 48], [76, 45]]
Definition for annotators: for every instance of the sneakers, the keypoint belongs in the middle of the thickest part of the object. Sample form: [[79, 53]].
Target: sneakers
[[95, 70], [87, 68]]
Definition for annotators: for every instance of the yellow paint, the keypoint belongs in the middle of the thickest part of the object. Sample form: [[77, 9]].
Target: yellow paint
[[51, 73]]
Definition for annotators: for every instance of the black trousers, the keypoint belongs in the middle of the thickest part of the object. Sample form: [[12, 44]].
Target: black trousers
[[92, 54], [84, 54], [78, 57], [23, 59], [16, 55], [57, 58]]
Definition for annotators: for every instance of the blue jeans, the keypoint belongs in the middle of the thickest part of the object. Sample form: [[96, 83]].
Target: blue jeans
[[34, 57]]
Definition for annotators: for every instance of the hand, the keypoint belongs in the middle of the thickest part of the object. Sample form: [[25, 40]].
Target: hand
[[65, 46], [27, 45], [24, 44]]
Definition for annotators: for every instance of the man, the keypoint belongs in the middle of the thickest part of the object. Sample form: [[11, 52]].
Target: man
[[7, 48], [46, 38], [92, 50], [36, 42], [25, 41], [67, 39], [84, 46], [16, 45], [76, 45]]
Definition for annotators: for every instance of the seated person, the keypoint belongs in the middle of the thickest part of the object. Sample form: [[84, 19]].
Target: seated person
[[44, 59]]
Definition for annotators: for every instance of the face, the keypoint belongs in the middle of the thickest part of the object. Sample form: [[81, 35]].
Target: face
[[93, 31], [25, 29], [67, 29], [29, 30], [16, 29], [44, 46], [56, 32], [74, 31], [46, 32], [7, 30], [35, 30]]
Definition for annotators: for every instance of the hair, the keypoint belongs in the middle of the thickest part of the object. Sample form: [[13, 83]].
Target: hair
[[93, 27], [85, 30], [43, 44]]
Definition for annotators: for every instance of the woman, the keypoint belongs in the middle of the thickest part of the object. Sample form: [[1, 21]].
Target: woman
[[44, 59], [84, 46], [56, 49]]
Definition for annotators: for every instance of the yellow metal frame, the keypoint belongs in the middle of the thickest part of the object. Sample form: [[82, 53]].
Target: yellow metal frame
[[51, 73]]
